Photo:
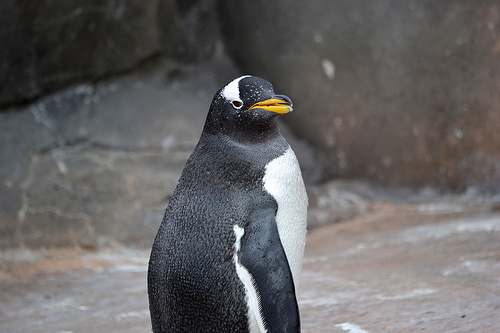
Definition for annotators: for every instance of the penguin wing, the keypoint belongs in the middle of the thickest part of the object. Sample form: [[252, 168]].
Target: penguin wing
[[263, 256]]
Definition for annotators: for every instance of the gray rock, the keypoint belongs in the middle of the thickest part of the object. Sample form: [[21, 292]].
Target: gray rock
[[95, 164], [10, 205], [337, 201], [402, 93], [49, 45]]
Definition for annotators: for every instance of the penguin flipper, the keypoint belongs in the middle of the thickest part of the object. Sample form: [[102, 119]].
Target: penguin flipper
[[263, 256]]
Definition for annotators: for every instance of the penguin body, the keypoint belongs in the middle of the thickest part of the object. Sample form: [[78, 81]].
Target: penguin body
[[229, 250]]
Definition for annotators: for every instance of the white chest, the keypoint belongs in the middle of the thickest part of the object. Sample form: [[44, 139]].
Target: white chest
[[283, 180]]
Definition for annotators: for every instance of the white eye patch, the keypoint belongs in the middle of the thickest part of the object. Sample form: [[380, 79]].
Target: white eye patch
[[231, 91]]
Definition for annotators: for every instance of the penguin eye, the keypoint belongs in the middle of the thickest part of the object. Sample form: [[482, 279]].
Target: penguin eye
[[237, 104]]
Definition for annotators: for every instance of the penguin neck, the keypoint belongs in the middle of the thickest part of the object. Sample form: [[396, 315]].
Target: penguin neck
[[256, 134], [249, 133]]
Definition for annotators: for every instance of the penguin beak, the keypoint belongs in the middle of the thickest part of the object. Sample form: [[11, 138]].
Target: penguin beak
[[275, 105]]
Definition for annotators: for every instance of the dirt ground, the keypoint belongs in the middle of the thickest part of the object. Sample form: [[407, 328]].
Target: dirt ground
[[398, 268]]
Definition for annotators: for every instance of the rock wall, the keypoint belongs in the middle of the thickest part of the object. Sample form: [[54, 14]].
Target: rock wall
[[102, 102], [92, 160], [94, 164], [47, 45], [402, 93]]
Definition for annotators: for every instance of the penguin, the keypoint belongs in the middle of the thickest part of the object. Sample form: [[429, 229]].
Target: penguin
[[229, 250]]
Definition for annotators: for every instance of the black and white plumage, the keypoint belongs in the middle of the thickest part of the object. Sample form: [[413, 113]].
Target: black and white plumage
[[229, 249]]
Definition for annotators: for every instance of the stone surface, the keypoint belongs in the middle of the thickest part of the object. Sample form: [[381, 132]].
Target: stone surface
[[402, 93], [95, 164], [407, 265], [49, 45], [403, 271]]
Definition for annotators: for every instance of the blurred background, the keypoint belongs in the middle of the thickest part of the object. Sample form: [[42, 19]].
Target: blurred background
[[101, 103]]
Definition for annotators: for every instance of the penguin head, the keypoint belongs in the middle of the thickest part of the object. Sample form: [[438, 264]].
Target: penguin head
[[246, 109]]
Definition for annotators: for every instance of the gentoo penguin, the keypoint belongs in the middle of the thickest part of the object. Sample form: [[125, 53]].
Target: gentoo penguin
[[229, 250]]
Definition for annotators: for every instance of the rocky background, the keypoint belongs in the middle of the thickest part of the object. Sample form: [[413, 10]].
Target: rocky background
[[101, 103]]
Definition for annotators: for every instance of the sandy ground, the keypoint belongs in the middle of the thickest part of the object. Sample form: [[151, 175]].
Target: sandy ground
[[399, 268]]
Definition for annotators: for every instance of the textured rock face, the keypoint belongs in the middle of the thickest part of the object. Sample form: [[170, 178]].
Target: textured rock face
[[404, 93], [47, 45], [92, 161], [95, 164]]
